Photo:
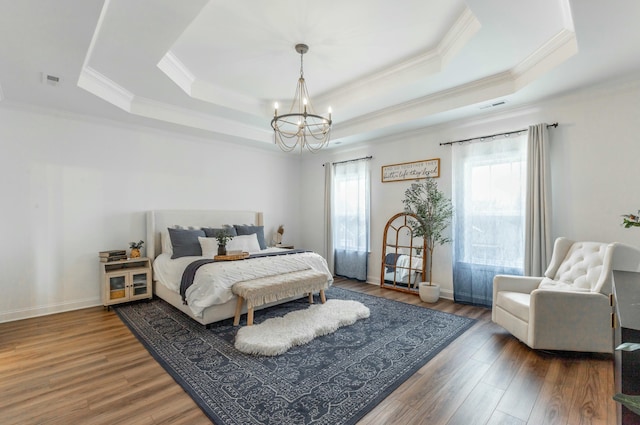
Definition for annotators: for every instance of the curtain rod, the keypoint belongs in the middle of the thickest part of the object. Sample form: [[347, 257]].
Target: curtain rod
[[350, 160], [555, 124]]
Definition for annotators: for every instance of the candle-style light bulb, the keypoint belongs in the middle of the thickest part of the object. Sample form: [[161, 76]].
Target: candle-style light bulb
[[304, 102], [275, 105]]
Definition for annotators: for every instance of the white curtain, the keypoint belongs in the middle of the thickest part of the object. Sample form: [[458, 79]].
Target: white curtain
[[489, 187], [538, 229], [328, 212], [348, 222]]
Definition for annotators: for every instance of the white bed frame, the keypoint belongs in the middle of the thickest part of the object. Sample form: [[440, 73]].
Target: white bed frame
[[158, 220]]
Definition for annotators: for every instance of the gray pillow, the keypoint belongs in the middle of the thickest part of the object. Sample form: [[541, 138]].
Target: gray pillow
[[212, 231], [243, 229], [185, 242]]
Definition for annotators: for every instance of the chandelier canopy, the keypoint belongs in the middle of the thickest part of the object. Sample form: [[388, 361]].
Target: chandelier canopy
[[301, 126]]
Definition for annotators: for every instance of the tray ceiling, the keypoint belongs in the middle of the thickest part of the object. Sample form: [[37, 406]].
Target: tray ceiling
[[216, 67]]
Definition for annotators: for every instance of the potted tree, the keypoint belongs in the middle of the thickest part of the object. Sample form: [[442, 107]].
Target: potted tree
[[435, 212]]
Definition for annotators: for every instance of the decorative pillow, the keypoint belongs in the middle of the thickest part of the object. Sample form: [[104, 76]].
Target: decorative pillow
[[248, 230], [390, 261], [209, 246], [185, 243], [165, 241], [212, 231], [247, 243]]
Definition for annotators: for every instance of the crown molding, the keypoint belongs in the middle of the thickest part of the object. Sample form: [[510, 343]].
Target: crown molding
[[556, 50], [412, 69], [177, 71], [200, 89], [105, 88], [465, 27], [162, 111], [498, 85], [553, 52]]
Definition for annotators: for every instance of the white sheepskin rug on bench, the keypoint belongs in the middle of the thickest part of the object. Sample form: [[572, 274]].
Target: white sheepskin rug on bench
[[276, 335]]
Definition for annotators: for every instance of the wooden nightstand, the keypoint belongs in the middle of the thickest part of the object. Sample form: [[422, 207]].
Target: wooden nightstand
[[125, 280]]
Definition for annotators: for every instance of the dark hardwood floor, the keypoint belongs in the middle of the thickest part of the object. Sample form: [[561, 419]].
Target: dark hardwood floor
[[85, 367]]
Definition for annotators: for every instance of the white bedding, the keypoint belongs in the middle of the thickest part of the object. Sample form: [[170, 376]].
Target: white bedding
[[212, 283]]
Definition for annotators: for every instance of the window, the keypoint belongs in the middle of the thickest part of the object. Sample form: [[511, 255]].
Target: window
[[489, 195], [350, 218]]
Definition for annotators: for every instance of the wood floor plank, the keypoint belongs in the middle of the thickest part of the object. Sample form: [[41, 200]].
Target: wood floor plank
[[523, 390], [86, 367], [478, 407]]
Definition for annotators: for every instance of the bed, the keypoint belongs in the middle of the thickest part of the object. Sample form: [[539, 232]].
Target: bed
[[209, 299]]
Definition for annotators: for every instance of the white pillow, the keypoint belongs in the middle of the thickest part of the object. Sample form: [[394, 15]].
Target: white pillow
[[165, 240], [209, 246], [246, 243]]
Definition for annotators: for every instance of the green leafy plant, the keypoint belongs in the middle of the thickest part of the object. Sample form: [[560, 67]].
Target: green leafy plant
[[223, 237], [629, 401], [631, 220], [434, 211], [136, 245]]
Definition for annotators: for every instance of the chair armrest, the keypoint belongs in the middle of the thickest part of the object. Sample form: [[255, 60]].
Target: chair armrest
[[576, 321], [524, 284]]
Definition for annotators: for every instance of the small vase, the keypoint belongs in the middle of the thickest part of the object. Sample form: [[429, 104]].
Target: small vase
[[135, 253], [222, 250]]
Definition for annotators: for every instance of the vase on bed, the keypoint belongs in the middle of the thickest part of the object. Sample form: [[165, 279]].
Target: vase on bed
[[222, 250]]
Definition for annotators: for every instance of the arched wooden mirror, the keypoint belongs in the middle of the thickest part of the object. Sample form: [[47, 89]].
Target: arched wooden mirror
[[404, 255]]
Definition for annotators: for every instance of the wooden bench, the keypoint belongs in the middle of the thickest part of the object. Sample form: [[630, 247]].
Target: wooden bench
[[257, 292]]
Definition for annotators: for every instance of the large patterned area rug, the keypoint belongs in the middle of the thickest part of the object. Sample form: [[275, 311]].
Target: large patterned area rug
[[334, 379]]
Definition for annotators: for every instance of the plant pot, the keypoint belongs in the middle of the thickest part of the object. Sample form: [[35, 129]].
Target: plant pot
[[135, 253], [222, 250], [429, 293]]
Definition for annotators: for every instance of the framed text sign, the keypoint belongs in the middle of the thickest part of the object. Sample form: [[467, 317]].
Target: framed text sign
[[411, 170]]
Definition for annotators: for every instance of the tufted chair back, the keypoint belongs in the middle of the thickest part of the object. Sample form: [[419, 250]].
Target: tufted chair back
[[579, 266]]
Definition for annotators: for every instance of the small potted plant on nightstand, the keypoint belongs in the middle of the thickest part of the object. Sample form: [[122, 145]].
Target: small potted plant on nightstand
[[135, 248], [435, 212], [223, 237]]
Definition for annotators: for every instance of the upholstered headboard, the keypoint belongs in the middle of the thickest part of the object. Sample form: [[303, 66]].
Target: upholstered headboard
[[159, 220]]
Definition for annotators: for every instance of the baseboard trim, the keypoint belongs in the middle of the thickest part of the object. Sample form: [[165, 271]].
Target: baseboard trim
[[28, 313], [447, 294]]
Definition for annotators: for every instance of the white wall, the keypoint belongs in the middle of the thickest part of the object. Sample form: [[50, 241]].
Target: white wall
[[72, 186], [595, 160]]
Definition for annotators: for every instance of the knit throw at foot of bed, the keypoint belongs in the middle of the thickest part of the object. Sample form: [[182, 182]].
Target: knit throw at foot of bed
[[277, 335]]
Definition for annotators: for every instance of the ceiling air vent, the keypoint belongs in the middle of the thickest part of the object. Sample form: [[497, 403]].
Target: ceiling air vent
[[50, 79], [493, 105]]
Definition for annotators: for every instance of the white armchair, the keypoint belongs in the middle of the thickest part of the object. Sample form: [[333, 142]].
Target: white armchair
[[567, 309]]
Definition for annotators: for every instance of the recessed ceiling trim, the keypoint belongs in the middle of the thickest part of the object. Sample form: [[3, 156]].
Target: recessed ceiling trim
[[169, 113], [410, 70], [465, 27], [482, 90], [556, 50], [177, 72], [105, 88], [200, 89]]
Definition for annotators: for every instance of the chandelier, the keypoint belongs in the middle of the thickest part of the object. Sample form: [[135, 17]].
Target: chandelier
[[301, 126]]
